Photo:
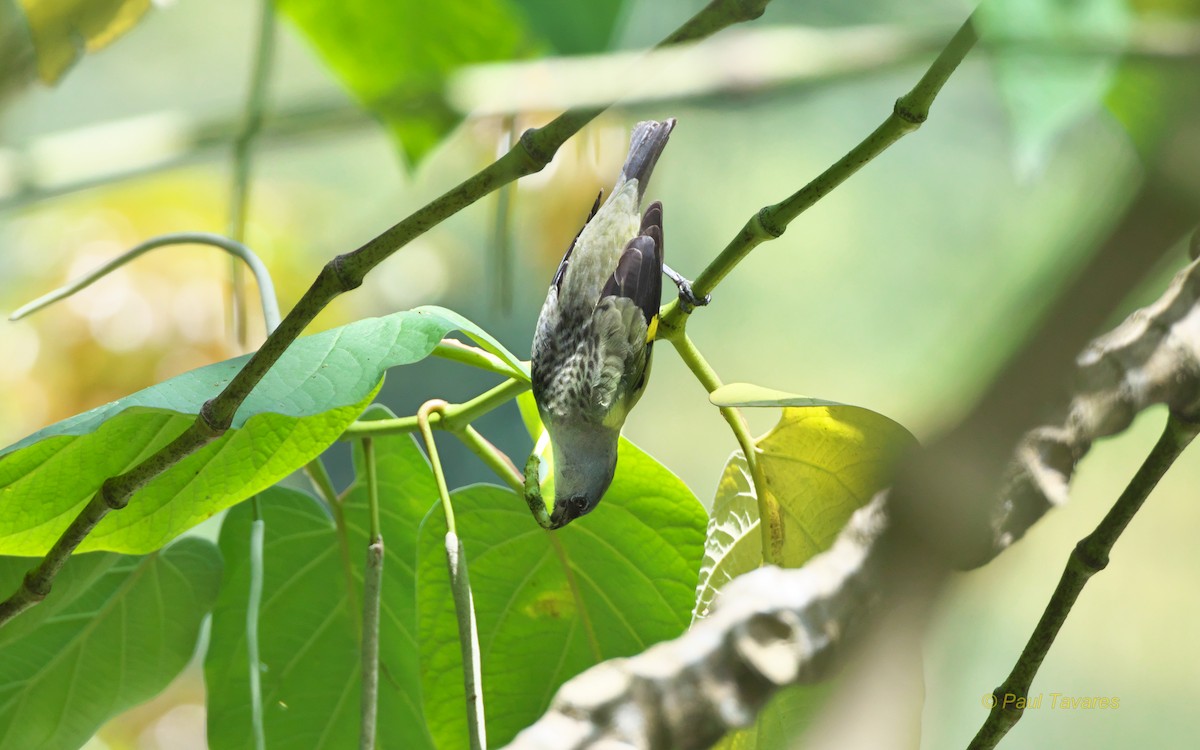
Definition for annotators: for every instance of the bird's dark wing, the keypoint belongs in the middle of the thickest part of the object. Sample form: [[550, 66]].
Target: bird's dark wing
[[638, 276], [562, 265]]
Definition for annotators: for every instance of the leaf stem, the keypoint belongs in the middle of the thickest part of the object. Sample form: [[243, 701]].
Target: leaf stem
[[532, 152], [460, 587], [1089, 557], [322, 482], [452, 417], [372, 594], [770, 518], [456, 351], [769, 223]]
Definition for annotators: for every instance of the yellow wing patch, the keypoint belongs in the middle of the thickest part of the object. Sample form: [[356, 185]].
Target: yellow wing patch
[[652, 329]]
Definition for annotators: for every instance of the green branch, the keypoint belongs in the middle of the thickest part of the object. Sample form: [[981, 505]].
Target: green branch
[[533, 152], [769, 223], [372, 594], [1089, 557]]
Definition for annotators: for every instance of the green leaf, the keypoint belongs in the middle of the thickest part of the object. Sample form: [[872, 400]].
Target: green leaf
[[304, 403], [573, 28], [62, 30], [821, 462], [486, 341], [311, 619], [395, 55], [747, 394], [1047, 84], [114, 631], [551, 604]]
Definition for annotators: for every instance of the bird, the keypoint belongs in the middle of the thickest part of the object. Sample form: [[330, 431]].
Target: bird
[[591, 348]]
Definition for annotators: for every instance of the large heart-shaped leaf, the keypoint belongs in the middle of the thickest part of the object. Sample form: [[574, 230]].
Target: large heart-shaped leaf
[[113, 632], [820, 463], [394, 55], [301, 406], [311, 619], [551, 604]]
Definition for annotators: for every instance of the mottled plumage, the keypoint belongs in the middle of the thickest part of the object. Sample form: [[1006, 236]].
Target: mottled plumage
[[591, 349]]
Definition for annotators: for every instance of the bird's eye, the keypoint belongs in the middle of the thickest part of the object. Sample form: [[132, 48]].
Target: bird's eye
[[579, 504]]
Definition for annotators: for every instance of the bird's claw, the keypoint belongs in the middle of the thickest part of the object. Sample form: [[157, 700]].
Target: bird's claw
[[688, 299]]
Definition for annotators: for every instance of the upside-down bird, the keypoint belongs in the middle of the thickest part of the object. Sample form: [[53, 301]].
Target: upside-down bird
[[591, 348]]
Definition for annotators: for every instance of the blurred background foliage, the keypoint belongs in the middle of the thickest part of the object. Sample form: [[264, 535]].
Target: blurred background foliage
[[903, 291]]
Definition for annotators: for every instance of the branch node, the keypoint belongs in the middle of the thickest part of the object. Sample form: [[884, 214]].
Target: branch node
[[908, 114], [766, 221], [536, 156], [213, 424], [346, 281], [37, 586], [1092, 563], [113, 497]]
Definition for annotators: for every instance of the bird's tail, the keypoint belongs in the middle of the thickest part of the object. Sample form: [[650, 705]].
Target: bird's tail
[[645, 146]]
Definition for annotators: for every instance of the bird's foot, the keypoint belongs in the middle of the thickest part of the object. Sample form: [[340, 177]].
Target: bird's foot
[[687, 298]]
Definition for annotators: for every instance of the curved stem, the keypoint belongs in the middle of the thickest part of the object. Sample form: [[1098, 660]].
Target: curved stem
[[1089, 557], [460, 587], [266, 289], [449, 417], [372, 594], [770, 518], [252, 117]]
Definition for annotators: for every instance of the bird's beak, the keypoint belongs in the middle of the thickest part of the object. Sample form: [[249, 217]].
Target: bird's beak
[[561, 516]]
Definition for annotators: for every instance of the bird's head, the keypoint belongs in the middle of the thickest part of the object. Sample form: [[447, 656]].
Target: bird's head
[[584, 463]]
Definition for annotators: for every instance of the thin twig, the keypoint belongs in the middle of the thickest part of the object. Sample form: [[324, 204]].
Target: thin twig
[[460, 587], [266, 288], [533, 152], [1089, 557], [372, 594]]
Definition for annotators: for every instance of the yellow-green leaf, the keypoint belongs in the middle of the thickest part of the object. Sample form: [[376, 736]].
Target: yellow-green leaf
[[820, 463]]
